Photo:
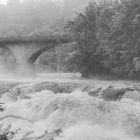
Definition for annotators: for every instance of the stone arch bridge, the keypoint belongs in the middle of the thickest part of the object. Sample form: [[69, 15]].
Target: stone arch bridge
[[27, 49]]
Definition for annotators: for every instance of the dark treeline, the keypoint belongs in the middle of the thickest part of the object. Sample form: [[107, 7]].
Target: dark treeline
[[107, 38]]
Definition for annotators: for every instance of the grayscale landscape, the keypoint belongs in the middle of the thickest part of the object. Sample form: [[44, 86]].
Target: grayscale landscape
[[69, 69]]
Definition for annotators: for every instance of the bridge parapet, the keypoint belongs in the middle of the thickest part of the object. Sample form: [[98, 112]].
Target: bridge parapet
[[35, 39]]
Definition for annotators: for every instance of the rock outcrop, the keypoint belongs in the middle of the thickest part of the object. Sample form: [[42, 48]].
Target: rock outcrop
[[114, 94]]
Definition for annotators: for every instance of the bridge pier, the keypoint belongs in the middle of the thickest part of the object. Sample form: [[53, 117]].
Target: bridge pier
[[24, 67]]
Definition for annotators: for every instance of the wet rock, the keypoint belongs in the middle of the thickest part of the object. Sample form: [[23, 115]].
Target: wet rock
[[18, 92], [3, 137], [87, 88], [56, 87], [2, 107], [7, 133], [5, 86], [53, 135], [114, 94], [95, 93], [45, 136], [58, 132]]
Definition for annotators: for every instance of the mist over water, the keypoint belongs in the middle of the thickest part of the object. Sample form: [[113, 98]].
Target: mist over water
[[41, 104], [36, 103]]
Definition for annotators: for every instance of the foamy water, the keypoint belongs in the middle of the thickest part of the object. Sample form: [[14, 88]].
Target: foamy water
[[78, 115]]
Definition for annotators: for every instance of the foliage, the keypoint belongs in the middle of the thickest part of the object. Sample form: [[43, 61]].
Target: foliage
[[107, 36], [65, 54], [49, 58], [85, 29]]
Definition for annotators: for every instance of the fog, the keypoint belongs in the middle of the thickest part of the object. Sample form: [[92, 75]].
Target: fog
[[22, 18]]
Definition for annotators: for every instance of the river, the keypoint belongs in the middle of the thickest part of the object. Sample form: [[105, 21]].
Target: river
[[51, 102]]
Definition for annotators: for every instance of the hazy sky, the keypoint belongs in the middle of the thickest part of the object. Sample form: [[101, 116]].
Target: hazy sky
[[5, 1]]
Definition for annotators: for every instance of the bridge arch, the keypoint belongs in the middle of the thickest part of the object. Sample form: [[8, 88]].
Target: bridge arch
[[10, 57], [27, 50], [37, 54], [6, 48]]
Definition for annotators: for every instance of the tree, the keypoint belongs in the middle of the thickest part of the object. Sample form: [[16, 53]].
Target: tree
[[65, 54], [85, 29], [107, 36], [124, 36]]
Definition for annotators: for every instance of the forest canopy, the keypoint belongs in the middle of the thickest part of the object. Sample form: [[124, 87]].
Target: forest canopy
[[107, 36]]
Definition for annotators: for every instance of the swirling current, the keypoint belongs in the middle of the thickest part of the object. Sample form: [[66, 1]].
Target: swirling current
[[38, 108]]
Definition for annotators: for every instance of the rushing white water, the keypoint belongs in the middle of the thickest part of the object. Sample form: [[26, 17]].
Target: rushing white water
[[78, 115]]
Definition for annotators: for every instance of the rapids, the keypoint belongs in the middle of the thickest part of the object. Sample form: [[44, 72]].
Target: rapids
[[59, 102]]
